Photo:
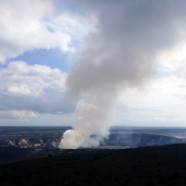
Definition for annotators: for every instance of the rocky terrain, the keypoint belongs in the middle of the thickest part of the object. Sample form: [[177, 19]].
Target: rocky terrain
[[146, 166]]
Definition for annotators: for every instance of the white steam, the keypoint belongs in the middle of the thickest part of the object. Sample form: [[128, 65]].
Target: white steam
[[95, 114], [121, 54]]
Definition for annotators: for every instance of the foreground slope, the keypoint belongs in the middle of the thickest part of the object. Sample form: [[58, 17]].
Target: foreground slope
[[148, 166]]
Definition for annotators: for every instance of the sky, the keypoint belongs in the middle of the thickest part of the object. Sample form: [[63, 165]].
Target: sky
[[64, 61]]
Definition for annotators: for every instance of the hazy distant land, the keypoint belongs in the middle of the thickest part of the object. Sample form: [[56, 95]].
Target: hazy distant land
[[19, 143]]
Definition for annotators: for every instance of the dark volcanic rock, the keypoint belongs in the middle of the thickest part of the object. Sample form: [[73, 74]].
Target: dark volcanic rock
[[147, 166]]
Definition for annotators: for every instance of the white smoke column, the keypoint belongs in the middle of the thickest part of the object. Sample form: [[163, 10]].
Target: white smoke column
[[95, 114], [98, 79], [121, 54]]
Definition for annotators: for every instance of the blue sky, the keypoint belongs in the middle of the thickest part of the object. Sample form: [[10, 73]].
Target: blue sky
[[53, 58], [61, 60]]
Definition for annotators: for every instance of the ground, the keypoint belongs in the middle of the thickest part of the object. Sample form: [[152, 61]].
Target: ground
[[147, 166]]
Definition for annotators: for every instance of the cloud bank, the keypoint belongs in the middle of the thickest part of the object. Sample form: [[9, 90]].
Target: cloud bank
[[29, 25], [27, 90]]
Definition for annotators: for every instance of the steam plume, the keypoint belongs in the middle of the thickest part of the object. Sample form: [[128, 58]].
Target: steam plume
[[121, 54]]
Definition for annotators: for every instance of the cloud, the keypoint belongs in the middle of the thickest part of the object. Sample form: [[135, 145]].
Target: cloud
[[17, 115], [159, 94], [28, 89], [76, 25], [29, 25]]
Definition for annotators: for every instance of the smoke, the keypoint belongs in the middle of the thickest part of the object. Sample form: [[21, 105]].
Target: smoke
[[120, 54], [95, 113]]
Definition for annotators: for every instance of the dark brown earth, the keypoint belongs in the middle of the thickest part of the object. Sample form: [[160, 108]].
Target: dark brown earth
[[148, 166]]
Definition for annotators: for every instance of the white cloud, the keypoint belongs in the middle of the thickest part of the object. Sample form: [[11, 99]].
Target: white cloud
[[77, 26], [20, 78], [29, 89], [18, 115], [161, 102], [28, 25]]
